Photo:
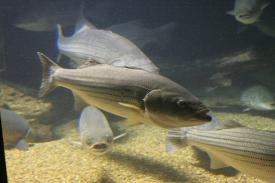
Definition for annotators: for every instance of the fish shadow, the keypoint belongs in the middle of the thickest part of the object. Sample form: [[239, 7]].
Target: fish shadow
[[204, 162], [106, 179], [149, 166]]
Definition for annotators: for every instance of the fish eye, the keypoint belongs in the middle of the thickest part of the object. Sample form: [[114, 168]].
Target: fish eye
[[181, 103]]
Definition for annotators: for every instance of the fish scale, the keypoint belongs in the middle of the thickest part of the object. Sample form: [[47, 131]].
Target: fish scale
[[248, 150]]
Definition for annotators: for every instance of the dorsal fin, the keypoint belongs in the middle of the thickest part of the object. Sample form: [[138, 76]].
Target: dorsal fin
[[82, 23]]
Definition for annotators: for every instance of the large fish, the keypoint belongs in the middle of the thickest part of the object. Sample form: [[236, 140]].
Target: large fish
[[138, 95], [141, 36], [248, 11], [248, 150], [15, 129], [102, 46]]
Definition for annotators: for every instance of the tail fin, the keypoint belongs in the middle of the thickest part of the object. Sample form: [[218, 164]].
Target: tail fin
[[49, 68], [176, 138]]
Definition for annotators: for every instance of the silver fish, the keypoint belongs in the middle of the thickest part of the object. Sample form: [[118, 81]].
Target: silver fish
[[259, 98], [248, 150], [139, 96], [44, 15], [15, 129], [94, 129], [248, 11], [101, 46], [141, 36]]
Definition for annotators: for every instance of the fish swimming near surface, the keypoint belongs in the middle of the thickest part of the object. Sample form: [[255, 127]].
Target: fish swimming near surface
[[102, 46], [44, 15], [248, 11], [248, 150], [258, 98], [136, 32], [15, 130], [135, 94]]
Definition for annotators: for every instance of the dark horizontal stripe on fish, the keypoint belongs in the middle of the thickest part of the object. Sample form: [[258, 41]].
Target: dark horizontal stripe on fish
[[115, 94], [260, 160], [266, 135], [263, 142], [233, 153], [240, 146]]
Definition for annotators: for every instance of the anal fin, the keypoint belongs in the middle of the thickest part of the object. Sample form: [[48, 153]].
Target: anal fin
[[216, 163]]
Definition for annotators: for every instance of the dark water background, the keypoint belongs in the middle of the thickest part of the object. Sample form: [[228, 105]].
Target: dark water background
[[205, 30]]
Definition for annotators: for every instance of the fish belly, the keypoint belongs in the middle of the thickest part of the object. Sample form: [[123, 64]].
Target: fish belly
[[113, 107]]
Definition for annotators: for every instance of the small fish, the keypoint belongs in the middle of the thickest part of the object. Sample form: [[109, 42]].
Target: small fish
[[229, 143], [138, 95], [44, 15], [141, 36], [94, 129], [248, 11], [259, 98], [15, 129], [102, 46]]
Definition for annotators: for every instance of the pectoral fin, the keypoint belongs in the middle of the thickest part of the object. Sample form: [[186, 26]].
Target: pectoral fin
[[170, 147], [129, 106], [119, 136], [74, 143], [22, 145], [230, 13], [216, 163], [129, 124]]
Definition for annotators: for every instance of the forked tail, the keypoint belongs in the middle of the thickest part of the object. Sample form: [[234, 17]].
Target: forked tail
[[49, 68]]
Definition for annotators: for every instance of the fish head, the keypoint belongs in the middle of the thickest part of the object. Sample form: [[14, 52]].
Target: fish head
[[98, 145], [249, 11], [173, 110]]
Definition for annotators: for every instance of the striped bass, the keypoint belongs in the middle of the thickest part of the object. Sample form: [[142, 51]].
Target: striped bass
[[248, 150], [139, 96], [104, 47]]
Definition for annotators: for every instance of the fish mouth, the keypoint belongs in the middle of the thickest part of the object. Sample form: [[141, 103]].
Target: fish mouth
[[247, 18], [100, 147]]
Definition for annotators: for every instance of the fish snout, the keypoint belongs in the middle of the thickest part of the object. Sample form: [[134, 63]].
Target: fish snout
[[100, 147], [200, 111]]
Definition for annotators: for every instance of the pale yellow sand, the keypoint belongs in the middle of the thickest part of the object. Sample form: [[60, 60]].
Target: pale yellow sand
[[139, 157]]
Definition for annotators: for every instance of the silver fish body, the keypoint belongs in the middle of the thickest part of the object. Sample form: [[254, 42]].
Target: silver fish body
[[134, 94], [248, 150], [105, 47], [248, 11], [15, 129], [94, 129], [259, 98]]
